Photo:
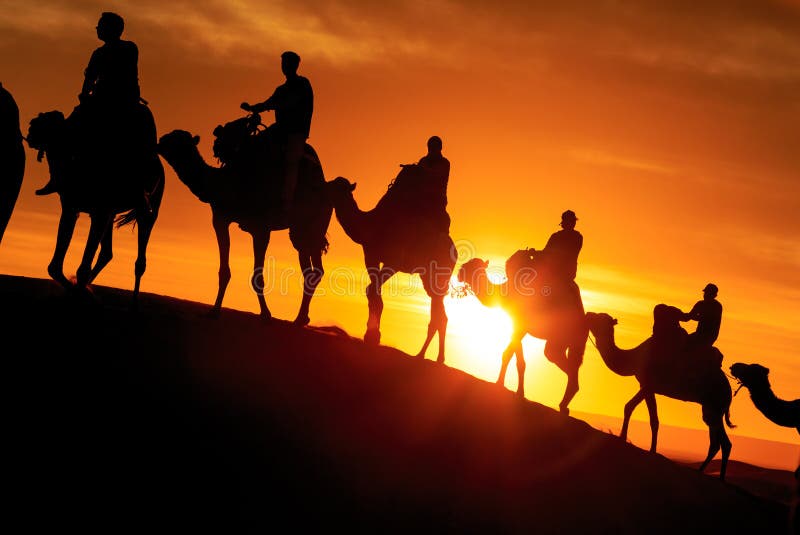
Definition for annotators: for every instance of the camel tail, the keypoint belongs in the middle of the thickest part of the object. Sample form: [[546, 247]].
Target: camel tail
[[126, 219], [728, 419]]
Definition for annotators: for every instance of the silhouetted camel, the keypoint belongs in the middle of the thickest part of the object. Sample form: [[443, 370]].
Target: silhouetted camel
[[102, 189], [388, 250], [754, 377], [711, 390], [232, 201], [12, 157], [565, 332]]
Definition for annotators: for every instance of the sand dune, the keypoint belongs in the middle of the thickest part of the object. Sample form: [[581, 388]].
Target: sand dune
[[166, 420]]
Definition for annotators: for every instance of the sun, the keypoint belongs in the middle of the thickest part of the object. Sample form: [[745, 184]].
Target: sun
[[477, 334]]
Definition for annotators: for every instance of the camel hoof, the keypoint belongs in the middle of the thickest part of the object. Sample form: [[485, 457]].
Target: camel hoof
[[81, 295], [564, 410], [420, 355], [59, 277], [301, 321], [214, 313]]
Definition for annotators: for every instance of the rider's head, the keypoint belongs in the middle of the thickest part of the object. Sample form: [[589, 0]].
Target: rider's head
[[434, 145], [710, 291], [568, 220], [289, 63], [110, 26]]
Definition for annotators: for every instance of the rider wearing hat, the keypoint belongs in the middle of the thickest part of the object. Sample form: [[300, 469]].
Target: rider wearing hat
[[563, 247], [708, 315]]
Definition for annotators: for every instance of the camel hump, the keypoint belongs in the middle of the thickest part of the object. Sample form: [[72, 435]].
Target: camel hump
[[666, 325], [411, 199]]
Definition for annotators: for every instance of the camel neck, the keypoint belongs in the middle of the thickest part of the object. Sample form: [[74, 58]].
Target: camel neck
[[352, 218], [620, 361]]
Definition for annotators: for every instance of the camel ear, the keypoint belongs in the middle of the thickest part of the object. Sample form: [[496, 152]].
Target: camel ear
[[485, 263], [196, 139], [614, 322], [353, 186]]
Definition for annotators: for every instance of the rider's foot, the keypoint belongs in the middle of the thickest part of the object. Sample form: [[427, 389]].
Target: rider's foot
[[48, 188]]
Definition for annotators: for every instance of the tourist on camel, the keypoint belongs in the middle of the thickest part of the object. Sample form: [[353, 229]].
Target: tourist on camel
[[293, 102], [561, 257], [708, 315], [110, 97]]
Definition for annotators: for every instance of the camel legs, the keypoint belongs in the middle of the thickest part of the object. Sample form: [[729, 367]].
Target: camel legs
[[435, 287], [311, 264], [652, 410], [718, 439], [106, 253], [9, 189], [377, 276], [556, 352], [221, 229], [514, 347], [100, 224], [66, 227], [146, 223], [650, 400], [520, 370], [629, 408], [260, 243]]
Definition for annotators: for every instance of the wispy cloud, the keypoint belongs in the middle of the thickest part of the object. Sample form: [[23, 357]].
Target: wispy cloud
[[599, 157]]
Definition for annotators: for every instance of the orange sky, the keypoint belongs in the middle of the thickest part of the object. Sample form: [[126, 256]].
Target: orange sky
[[672, 131]]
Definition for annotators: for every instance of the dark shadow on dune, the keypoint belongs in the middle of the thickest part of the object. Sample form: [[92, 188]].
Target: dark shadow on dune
[[123, 421]]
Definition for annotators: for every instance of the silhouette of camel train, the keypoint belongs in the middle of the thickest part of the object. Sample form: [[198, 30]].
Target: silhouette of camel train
[[271, 179]]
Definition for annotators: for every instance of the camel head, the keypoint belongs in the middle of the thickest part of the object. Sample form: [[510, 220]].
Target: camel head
[[44, 129], [177, 145], [754, 375], [340, 191], [341, 187], [600, 324], [471, 270]]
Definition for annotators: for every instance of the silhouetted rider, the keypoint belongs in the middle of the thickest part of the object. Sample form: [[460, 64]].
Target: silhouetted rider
[[562, 249], [708, 315], [112, 76], [437, 168], [110, 87], [293, 102]]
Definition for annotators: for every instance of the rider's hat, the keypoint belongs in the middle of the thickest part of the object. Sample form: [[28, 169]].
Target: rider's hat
[[569, 215]]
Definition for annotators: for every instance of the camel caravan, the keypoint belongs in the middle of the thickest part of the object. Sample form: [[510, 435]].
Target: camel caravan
[[104, 159]]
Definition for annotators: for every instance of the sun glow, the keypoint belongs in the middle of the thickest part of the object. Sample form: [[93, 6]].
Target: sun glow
[[480, 333]]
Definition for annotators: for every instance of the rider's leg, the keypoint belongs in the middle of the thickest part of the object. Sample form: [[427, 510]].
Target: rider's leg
[[295, 144]]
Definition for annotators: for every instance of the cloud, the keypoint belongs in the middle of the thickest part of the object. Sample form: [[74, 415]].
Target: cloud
[[715, 39], [599, 157]]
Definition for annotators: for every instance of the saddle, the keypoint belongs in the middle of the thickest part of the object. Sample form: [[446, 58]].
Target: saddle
[[236, 140], [410, 201], [674, 352]]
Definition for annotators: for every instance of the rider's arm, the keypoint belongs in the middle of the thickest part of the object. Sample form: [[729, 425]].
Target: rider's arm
[[693, 314], [90, 75], [270, 104]]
